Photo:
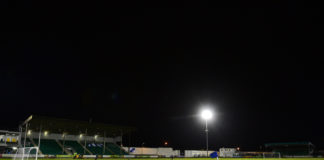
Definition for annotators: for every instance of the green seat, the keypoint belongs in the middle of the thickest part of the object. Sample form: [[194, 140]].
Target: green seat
[[116, 149], [97, 148], [28, 143], [75, 145], [49, 147]]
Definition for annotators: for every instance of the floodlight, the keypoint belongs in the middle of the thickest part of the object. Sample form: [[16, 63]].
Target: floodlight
[[45, 133], [29, 132], [206, 114]]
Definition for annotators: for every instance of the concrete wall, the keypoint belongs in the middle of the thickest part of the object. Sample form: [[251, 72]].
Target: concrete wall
[[197, 153], [161, 151]]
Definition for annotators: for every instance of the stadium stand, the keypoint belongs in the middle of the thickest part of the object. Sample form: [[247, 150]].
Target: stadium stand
[[63, 136], [292, 148], [50, 147], [29, 143], [109, 149], [76, 147], [96, 148], [116, 149]]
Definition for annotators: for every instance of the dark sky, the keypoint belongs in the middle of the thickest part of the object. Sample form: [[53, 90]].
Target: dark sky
[[153, 65]]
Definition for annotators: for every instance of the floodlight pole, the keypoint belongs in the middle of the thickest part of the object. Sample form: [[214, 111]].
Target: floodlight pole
[[207, 136], [104, 143], [63, 143], [26, 130], [85, 141], [39, 136], [20, 133]]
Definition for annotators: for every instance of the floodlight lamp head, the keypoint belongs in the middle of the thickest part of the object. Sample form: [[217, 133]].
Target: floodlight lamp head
[[206, 114]]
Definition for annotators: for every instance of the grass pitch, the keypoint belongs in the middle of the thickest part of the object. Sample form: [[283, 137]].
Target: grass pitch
[[211, 159], [237, 159], [177, 159]]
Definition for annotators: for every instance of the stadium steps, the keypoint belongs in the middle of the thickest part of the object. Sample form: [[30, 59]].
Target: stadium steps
[[108, 151], [116, 149], [50, 147], [65, 150], [34, 145], [85, 148], [31, 143], [122, 149], [77, 147]]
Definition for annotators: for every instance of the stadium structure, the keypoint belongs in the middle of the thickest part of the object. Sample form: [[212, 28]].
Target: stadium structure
[[292, 149], [40, 136], [55, 136]]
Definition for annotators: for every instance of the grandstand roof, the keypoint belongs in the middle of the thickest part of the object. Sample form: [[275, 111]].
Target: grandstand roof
[[74, 127]]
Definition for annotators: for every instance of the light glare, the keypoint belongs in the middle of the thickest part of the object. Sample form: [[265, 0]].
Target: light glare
[[206, 114]]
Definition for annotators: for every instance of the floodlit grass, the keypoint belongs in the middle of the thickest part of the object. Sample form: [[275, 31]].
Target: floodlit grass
[[177, 159], [255, 158], [235, 159], [232, 159], [222, 159]]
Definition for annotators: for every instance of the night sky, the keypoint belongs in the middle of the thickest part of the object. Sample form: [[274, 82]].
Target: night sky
[[153, 66]]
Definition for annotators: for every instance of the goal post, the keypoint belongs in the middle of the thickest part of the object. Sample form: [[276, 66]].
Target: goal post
[[26, 153]]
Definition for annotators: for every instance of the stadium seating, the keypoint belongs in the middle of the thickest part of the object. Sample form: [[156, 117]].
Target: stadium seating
[[96, 148], [49, 147], [28, 143], [287, 152], [75, 145], [111, 149], [116, 149]]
